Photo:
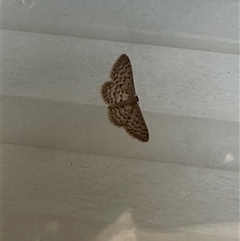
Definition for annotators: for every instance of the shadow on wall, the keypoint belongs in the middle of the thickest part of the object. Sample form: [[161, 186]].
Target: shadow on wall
[[85, 128]]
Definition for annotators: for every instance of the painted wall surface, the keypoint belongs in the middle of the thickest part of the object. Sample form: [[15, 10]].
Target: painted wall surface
[[60, 195], [192, 24], [102, 185], [52, 99]]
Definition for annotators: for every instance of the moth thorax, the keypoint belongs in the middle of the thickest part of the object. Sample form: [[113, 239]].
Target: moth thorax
[[133, 99]]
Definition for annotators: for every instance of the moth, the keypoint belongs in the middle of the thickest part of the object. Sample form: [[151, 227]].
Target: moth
[[120, 96]]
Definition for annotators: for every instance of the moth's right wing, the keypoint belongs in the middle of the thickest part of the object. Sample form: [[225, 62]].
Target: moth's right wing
[[130, 117]]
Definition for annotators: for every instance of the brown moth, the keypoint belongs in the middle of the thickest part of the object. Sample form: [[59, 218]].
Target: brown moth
[[120, 96]]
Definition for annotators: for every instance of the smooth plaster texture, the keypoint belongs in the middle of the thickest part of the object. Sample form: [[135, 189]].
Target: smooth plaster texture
[[60, 195], [192, 24]]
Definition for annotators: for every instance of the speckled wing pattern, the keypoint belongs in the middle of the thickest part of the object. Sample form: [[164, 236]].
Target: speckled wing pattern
[[119, 94]]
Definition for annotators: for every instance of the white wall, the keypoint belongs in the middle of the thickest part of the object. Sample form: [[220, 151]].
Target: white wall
[[192, 24], [56, 55], [190, 99], [59, 195]]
